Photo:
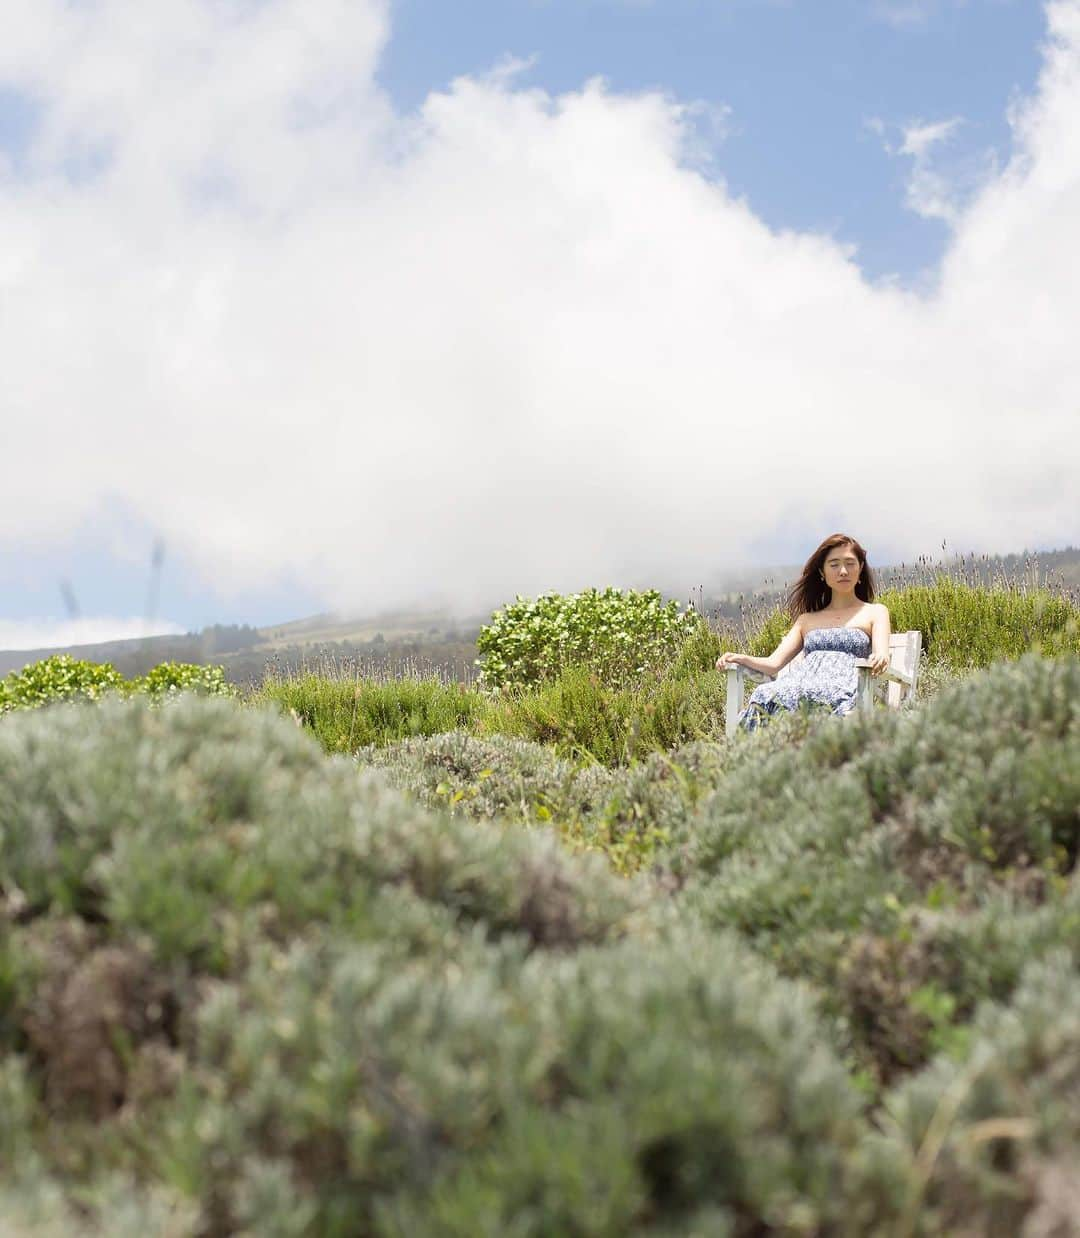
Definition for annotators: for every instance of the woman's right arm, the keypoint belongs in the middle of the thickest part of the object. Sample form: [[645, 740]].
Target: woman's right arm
[[779, 658]]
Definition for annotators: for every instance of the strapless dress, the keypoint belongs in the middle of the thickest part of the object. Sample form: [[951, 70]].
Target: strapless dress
[[825, 674]]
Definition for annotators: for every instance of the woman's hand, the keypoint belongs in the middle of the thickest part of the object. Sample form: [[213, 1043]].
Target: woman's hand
[[726, 660], [879, 663]]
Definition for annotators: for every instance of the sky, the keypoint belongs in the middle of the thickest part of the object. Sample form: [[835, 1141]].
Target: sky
[[342, 305]]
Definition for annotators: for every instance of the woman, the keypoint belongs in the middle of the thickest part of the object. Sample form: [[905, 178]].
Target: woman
[[836, 621]]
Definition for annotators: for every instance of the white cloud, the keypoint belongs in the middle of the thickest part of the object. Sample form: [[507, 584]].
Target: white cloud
[[942, 182], [919, 138], [508, 343], [931, 192], [55, 634]]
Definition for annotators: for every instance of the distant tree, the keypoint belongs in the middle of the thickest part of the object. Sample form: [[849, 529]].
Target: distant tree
[[228, 638]]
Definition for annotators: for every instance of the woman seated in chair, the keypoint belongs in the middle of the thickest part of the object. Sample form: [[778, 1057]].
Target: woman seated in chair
[[836, 621]]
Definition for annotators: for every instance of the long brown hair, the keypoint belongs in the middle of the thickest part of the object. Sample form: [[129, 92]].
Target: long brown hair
[[810, 592]]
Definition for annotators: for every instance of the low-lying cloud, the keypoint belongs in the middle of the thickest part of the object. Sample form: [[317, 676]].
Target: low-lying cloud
[[510, 342], [34, 634]]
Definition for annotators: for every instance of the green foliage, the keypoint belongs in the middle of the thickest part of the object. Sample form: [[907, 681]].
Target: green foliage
[[626, 815], [169, 678], [484, 778], [698, 652], [821, 854], [592, 1093], [247, 988], [987, 1139], [62, 677], [772, 631], [348, 713], [574, 713], [115, 1206], [57, 678], [587, 709], [197, 825], [617, 636], [380, 1002], [583, 719], [963, 626], [17, 1111]]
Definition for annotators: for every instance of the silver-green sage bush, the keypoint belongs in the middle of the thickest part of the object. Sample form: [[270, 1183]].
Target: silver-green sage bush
[[246, 988]]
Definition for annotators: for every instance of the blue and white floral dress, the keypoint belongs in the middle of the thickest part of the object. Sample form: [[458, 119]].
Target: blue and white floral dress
[[825, 674]]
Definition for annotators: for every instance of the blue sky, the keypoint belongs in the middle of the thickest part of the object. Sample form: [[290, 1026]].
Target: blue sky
[[865, 133], [802, 80]]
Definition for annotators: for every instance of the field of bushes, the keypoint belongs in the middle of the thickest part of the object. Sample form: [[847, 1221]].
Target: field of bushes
[[550, 955]]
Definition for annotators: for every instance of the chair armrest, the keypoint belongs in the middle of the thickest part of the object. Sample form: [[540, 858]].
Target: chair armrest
[[747, 673], [890, 672]]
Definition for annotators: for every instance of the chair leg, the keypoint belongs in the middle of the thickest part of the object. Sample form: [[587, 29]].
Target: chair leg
[[865, 691], [734, 700]]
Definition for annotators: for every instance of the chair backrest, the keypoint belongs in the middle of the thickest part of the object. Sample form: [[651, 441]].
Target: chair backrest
[[904, 651]]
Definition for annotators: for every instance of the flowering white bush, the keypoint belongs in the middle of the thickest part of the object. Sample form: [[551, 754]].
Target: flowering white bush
[[618, 635]]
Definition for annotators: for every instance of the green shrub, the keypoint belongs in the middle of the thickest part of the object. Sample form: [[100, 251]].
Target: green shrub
[[17, 1112], [169, 678], [245, 987], [385, 1045], [595, 1093], [910, 992], [987, 772], [483, 778], [205, 826], [617, 636], [574, 713], [58, 678], [62, 677], [986, 1141], [698, 652], [815, 853], [625, 814], [32, 1205]]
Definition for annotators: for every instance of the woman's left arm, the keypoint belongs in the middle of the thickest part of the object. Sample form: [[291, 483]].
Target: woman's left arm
[[879, 640]]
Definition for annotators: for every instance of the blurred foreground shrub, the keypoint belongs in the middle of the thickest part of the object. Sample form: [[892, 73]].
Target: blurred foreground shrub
[[864, 857], [246, 988], [245, 978], [203, 826]]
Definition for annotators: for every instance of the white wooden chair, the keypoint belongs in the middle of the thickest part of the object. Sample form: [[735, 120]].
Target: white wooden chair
[[899, 680]]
